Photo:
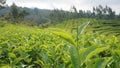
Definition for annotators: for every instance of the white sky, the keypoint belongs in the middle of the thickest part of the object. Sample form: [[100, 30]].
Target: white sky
[[66, 4]]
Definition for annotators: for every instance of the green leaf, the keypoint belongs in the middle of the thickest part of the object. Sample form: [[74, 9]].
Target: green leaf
[[6, 66], [17, 60], [66, 36], [95, 52], [82, 28], [39, 62], [116, 54], [98, 63], [85, 52], [106, 61], [74, 57], [61, 66], [28, 60], [11, 55], [101, 62]]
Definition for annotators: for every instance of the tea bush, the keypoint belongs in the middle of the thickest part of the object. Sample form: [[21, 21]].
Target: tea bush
[[28, 47]]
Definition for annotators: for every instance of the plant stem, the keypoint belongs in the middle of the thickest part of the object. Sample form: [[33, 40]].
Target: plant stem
[[77, 34]]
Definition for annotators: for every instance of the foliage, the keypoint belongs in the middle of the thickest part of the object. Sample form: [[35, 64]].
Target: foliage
[[99, 12], [2, 3], [16, 14], [105, 13], [40, 16], [28, 47], [102, 26]]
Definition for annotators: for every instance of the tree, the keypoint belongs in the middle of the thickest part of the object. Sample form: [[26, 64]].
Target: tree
[[111, 14], [14, 12], [36, 10], [118, 16], [74, 12], [103, 12], [57, 16], [22, 14], [98, 11], [88, 14], [2, 3], [81, 13]]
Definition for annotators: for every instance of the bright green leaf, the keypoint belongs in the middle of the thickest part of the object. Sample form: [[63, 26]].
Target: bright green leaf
[[82, 28], [74, 57]]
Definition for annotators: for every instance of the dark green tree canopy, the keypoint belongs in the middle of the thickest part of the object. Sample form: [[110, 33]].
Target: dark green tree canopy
[[17, 14], [2, 3], [14, 11]]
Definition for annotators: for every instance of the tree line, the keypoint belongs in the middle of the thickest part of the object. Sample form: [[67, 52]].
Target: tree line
[[98, 12], [17, 14]]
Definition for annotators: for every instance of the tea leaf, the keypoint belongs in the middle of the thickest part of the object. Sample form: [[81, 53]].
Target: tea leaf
[[82, 28], [65, 36], [74, 57]]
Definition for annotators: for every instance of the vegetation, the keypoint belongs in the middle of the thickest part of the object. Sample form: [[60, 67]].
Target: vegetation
[[101, 26], [99, 12], [2, 3], [41, 16], [39, 38], [30, 47], [16, 15], [38, 16]]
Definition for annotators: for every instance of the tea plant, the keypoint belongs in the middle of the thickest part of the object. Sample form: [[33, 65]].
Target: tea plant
[[31, 47], [94, 56]]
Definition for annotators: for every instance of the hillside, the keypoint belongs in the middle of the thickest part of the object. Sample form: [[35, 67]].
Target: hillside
[[35, 15], [30, 47], [59, 34], [101, 26]]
